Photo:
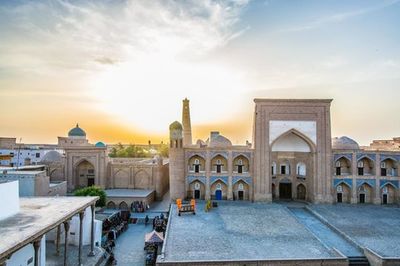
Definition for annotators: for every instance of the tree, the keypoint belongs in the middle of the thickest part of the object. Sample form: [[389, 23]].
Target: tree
[[164, 150], [93, 191]]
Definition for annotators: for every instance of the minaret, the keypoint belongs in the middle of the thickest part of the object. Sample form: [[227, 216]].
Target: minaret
[[187, 127], [176, 162]]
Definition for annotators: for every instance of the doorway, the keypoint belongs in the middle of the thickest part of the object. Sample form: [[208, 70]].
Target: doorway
[[384, 199], [339, 197], [197, 194], [362, 198], [218, 194], [301, 192], [240, 195], [285, 190]]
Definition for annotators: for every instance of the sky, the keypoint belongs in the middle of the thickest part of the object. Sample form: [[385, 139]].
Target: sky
[[121, 68]]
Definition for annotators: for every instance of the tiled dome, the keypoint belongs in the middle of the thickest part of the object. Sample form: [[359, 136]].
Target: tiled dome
[[344, 143], [77, 132], [219, 141], [51, 157]]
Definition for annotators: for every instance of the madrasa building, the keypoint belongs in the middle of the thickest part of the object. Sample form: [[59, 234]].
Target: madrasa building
[[292, 157]]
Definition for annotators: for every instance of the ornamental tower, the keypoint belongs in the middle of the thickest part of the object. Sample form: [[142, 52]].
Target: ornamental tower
[[187, 127], [176, 162]]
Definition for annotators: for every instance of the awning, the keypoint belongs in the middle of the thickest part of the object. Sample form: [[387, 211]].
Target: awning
[[153, 238]]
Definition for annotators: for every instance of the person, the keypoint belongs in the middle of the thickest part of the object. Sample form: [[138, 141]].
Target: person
[[146, 220], [162, 216]]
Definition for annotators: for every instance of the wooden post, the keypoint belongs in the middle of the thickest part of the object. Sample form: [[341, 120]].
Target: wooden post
[[36, 246], [3, 261], [58, 240], [66, 228], [81, 215], [91, 253]]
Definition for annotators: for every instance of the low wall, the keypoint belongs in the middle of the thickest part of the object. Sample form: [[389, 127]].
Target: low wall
[[58, 188], [275, 262], [376, 260]]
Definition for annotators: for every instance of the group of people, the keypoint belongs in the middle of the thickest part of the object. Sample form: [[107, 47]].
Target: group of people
[[139, 206], [112, 228], [159, 223]]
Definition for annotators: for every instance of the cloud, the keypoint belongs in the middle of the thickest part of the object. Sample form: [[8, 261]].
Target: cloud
[[338, 17], [105, 61], [41, 36]]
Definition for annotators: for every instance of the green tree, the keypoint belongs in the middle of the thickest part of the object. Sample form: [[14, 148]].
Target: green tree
[[164, 150], [93, 191]]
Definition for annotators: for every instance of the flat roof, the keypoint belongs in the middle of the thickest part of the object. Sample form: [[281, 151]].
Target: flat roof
[[275, 100], [12, 172], [37, 216], [128, 193], [240, 231]]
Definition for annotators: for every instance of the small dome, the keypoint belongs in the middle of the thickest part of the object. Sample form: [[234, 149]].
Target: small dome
[[175, 126], [77, 132], [219, 141], [100, 144], [52, 157], [344, 143]]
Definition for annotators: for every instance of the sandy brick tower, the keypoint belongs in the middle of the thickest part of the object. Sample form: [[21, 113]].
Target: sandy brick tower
[[176, 161], [187, 127]]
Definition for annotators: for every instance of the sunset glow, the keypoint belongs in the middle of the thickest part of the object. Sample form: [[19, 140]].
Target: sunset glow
[[122, 68]]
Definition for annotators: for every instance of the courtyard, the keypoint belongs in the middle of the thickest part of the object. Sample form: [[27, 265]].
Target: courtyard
[[242, 231]]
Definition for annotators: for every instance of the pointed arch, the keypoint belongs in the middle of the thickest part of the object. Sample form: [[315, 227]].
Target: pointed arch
[[297, 133], [142, 179]]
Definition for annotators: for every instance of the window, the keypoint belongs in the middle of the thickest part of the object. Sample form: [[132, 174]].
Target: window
[[37, 155], [283, 169], [273, 169], [338, 171], [385, 190], [240, 162], [240, 187], [337, 164], [339, 189], [197, 186], [196, 165], [90, 171], [218, 166], [301, 169], [360, 170], [219, 186], [360, 164]]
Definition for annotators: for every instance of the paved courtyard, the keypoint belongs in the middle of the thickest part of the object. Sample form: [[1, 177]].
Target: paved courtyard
[[240, 231], [374, 227], [129, 246]]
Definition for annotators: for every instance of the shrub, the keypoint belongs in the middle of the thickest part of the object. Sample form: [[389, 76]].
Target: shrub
[[93, 191]]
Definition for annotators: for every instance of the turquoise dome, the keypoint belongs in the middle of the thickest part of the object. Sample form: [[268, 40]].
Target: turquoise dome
[[100, 144], [77, 132]]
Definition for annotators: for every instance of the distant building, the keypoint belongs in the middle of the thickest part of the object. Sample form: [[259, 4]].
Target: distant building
[[20, 154], [292, 157], [33, 181], [30, 226]]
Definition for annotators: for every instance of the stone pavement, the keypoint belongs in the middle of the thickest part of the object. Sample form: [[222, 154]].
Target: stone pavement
[[130, 244], [375, 227], [241, 231], [72, 259]]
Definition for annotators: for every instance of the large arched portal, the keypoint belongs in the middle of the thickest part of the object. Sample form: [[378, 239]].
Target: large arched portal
[[85, 174], [293, 157]]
